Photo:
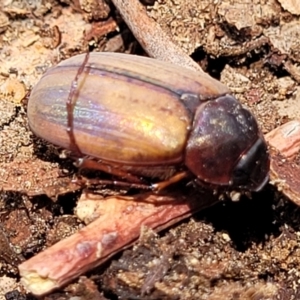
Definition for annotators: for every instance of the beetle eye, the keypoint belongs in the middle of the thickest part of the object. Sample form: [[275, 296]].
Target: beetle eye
[[225, 146], [252, 167]]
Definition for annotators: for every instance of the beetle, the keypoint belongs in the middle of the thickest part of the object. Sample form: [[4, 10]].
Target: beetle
[[143, 118]]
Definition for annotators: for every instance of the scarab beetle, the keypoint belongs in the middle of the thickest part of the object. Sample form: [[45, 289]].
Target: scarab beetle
[[151, 119]]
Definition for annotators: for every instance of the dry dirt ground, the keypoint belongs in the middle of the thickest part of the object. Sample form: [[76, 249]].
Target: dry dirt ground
[[233, 250]]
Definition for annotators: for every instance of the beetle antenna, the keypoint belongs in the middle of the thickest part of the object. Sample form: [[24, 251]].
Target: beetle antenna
[[71, 102]]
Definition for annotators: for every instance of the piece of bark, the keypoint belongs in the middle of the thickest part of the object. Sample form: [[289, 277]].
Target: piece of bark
[[117, 227], [284, 171], [284, 174], [286, 139]]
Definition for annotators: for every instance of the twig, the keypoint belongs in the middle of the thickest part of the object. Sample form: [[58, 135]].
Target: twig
[[117, 227], [151, 36]]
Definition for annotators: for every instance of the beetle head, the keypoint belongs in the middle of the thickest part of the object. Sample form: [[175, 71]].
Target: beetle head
[[226, 147]]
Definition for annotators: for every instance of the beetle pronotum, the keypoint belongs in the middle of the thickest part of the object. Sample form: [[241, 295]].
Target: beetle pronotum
[[143, 118]]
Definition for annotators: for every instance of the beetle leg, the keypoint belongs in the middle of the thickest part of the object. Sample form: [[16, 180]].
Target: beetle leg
[[100, 182], [163, 184], [86, 163], [132, 180], [156, 187]]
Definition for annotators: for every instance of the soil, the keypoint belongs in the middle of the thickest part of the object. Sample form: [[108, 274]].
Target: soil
[[247, 249]]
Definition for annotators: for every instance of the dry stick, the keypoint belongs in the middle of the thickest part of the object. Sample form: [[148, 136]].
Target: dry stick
[[151, 36], [118, 226]]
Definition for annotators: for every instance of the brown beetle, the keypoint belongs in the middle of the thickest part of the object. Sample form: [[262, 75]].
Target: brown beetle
[[144, 117]]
